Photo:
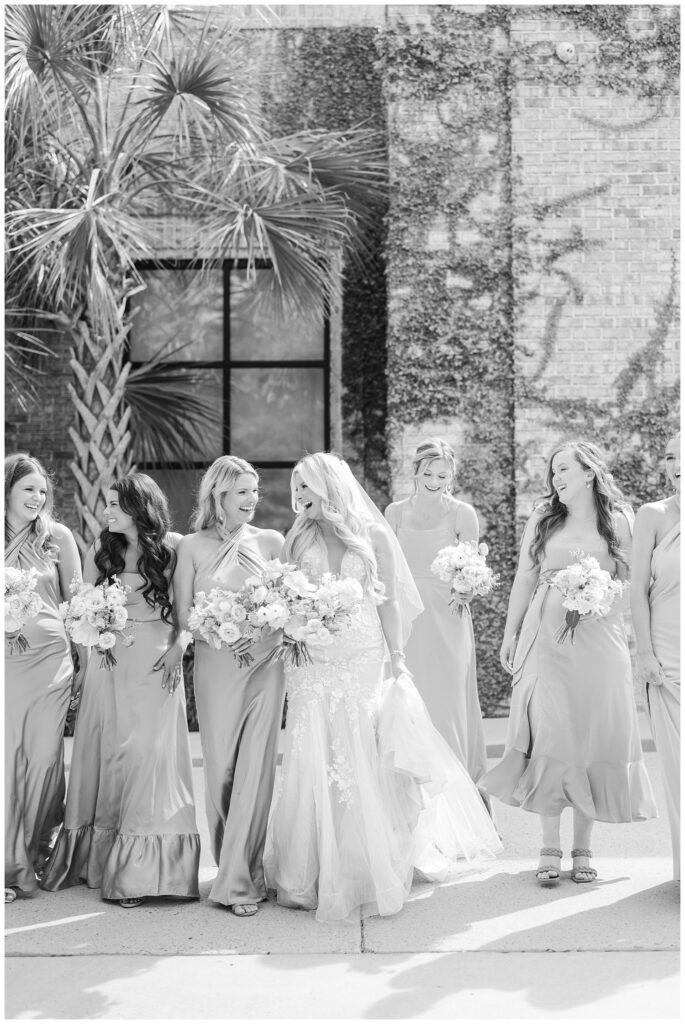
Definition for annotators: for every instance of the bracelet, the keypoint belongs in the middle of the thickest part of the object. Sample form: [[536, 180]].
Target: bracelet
[[185, 637], [401, 653]]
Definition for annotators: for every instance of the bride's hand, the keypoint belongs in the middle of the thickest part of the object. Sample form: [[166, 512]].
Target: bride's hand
[[399, 665]]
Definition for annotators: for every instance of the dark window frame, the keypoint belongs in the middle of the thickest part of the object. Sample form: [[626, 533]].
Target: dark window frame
[[227, 364]]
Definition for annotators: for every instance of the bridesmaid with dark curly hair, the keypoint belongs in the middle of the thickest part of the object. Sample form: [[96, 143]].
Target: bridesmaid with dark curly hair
[[129, 825]]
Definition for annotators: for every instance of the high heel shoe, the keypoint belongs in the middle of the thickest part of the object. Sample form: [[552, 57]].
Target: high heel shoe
[[577, 872], [549, 874]]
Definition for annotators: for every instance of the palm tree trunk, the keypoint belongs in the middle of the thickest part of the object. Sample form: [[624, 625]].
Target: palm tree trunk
[[100, 436]]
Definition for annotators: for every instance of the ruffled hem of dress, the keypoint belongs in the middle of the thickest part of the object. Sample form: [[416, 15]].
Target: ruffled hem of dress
[[610, 792], [79, 856], [152, 865]]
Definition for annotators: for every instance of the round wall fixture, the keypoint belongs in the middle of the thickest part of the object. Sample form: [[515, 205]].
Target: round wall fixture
[[566, 52]]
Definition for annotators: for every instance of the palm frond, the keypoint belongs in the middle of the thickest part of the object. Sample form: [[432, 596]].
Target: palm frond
[[169, 422]]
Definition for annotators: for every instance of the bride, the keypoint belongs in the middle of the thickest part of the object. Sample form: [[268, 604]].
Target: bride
[[369, 790]]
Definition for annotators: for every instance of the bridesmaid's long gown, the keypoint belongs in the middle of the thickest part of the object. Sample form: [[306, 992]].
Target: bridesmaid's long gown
[[664, 700], [37, 694], [572, 738], [239, 712], [129, 825], [441, 652]]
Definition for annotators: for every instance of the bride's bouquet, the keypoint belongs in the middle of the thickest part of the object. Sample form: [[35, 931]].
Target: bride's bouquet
[[463, 566], [96, 616], [239, 619], [316, 615], [21, 604], [587, 590]]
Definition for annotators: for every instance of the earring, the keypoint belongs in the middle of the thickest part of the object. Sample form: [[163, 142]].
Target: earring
[[589, 483]]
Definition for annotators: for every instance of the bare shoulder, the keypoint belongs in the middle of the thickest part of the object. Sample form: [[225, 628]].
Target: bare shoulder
[[61, 534], [462, 511], [395, 506], [173, 538], [270, 541], [652, 511]]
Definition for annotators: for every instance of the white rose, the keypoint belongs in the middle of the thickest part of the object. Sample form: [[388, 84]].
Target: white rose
[[83, 633], [228, 633], [107, 641]]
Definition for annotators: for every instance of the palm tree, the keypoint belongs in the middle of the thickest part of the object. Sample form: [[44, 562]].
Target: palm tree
[[115, 117]]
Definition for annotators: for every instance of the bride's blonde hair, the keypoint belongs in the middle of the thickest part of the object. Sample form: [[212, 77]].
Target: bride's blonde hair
[[330, 478]]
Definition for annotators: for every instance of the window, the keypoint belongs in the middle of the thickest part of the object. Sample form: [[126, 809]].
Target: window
[[268, 379]]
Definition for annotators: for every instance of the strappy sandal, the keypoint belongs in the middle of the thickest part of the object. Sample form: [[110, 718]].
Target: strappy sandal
[[131, 901], [549, 874], [244, 909], [577, 872], [10, 895]]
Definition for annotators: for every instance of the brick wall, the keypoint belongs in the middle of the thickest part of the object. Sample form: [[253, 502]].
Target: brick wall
[[570, 141]]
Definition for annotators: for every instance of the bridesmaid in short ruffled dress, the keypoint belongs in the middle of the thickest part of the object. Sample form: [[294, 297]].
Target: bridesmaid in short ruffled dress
[[129, 825], [655, 602], [239, 709], [38, 680], [573, 738], [441, 652]]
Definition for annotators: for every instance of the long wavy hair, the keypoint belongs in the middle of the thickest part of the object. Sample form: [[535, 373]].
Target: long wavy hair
[[330, 478], [428, 451], [17, 466], [142, 499], [218, 480], [607, 497]]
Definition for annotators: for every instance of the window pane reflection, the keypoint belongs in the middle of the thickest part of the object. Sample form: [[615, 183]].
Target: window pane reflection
[[274, 511], [180, 487], [256, 331], [277, 414], [180, 313]]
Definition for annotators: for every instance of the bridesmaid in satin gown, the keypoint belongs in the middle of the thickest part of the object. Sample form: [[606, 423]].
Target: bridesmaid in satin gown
[[655, 602], [573, 738], [441, 652], [239, 710], [38, 681], [129, 825]]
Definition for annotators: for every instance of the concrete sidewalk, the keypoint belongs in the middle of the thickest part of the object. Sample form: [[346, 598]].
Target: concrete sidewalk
[[486, 946]]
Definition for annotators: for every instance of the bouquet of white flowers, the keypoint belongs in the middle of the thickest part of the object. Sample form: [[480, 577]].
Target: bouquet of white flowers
[[21, 604], [463, 566], [587, 590], [95, 615], [317, 614], [239, 619]]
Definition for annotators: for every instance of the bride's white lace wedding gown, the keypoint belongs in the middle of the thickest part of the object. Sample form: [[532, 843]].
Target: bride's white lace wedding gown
[[368, 790]]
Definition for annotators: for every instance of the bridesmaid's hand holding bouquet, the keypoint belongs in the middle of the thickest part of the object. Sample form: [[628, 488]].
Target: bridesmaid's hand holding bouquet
[[21, 604], [240, 619], [463, 566], [96, 615], [587, 589]]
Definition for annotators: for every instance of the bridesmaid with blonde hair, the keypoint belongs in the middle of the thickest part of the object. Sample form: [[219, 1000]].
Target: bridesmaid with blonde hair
[[441, 652], [239, 709], [38, 680], [655, 604]]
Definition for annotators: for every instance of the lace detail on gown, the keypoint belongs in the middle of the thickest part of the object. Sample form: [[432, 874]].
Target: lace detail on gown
[[342, 833]]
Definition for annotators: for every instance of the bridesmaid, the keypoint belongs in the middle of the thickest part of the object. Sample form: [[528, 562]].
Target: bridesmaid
[[239, 709], [573, 738], [130, 826], [38, 681], [441, 652], [655, 603]]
